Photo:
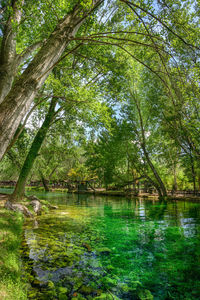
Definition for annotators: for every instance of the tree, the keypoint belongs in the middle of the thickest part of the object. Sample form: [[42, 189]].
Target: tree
[[33, 152], [74, 100], [24, 69], [147, 33], [16, 98]]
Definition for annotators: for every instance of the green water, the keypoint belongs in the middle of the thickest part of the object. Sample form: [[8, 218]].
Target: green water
[[113, 248]]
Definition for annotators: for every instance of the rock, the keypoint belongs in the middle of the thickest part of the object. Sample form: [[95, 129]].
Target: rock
[[35, 224], [36, 206], [104, 250], [18, 207]]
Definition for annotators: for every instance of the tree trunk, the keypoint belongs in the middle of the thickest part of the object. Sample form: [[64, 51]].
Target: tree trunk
[[8, 56], [153, 182], [193, 169], [193, 175], [175, 186], [44, 182], [156, 175], [51, 174], [160, 185], [198, 183], [33, 152], [17, 102]]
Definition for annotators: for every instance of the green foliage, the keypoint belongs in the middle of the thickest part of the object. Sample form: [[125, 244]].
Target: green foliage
[[133, 59]]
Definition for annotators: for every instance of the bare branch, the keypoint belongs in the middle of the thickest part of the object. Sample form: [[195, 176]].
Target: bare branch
[[130, 5], [129, 32], [134, 57], [119, 39], [94, 79]]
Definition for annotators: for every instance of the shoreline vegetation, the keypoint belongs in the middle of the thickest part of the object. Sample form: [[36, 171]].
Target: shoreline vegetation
[[142, 195], [13, 283], [11, 228], [182, 195]]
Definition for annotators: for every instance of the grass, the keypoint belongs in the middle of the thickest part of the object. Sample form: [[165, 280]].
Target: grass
[[11, 285]]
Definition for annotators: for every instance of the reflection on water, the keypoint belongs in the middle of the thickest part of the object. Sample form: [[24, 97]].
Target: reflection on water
[[101, 247]]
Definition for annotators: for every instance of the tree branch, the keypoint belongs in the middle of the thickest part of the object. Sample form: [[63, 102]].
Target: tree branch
[[130, 4], [134, 57], [59, 60], [19, 131], [27, 52]]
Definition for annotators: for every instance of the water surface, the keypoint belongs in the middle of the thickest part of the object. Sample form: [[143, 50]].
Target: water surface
[[101, 247]]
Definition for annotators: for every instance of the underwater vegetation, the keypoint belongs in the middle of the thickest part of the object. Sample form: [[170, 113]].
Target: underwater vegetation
[[106, 248]]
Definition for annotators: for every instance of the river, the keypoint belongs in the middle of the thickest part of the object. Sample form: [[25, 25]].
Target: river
[[113, 248]]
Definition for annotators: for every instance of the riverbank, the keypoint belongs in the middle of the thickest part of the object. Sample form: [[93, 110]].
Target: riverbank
[[148, 196], [117, 193], [11, 286]]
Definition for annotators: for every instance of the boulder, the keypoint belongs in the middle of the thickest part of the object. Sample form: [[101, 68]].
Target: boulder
[[18, 207], [36, 206]]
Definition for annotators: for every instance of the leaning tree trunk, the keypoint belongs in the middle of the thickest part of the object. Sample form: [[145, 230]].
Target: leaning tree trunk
[[33, 152], [8, 56], [162, 190], [156, 185], [18, 99], [159, 183]]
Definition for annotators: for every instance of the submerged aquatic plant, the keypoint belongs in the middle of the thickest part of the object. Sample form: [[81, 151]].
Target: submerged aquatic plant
[[114, 248]]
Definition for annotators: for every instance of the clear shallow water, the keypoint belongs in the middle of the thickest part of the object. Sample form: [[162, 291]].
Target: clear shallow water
[[99, 247]]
